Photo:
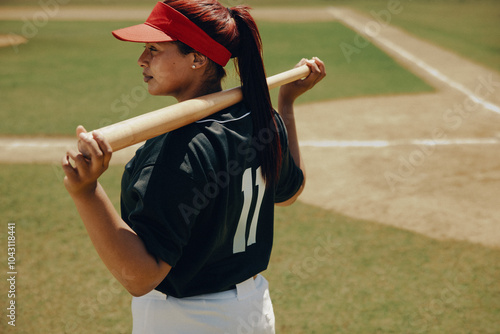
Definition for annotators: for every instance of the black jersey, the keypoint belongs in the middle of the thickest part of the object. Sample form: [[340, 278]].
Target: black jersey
[[197, 199]]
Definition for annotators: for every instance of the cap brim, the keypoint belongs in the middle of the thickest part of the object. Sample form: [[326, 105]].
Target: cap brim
[[142, 33]]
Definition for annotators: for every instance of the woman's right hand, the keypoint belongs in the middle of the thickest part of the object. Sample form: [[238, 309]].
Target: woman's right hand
[[89, 162]]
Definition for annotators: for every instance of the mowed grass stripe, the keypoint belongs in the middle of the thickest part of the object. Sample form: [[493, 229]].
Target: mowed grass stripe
[[328, 273], [471, 27], [468, 27], [74, 73]]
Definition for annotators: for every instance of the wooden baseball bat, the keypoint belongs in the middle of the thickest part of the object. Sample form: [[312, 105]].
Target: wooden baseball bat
[[138, 129]]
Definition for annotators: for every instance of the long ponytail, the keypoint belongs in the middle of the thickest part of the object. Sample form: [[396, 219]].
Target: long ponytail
[[235, 29], [256, 93]]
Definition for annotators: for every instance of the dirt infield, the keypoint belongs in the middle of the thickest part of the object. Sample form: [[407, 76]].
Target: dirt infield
[[442, 187], [443, 190], [11, 40], [428, 163], [119, 14]]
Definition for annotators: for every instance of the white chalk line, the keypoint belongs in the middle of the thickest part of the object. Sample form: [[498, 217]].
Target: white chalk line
[[393, 143], [11, 145], [26, 144], [360, 28], [440, 76]]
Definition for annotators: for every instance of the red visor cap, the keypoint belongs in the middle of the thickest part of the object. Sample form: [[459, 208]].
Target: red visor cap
[[165, 24]]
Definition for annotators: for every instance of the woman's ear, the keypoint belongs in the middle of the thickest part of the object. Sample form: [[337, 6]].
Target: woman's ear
[[199, 60]]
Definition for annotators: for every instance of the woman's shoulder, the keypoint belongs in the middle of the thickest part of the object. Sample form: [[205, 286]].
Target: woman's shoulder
[[200, 147], [234, 113]]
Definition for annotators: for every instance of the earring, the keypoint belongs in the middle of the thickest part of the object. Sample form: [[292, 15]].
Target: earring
[[193, 67]]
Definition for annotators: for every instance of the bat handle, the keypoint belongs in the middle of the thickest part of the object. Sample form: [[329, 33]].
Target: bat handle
[[288, 76]]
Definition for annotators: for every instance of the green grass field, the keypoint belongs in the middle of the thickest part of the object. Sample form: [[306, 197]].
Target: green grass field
[[328, 273], [72, 69], [76, 72], [143, 3], [471, 27]]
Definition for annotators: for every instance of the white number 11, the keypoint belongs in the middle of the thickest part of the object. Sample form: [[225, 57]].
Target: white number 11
[[239, 244]]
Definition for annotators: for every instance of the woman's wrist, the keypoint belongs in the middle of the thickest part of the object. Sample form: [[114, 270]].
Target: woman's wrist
[[285, 104], [82, 192], [285, 100]]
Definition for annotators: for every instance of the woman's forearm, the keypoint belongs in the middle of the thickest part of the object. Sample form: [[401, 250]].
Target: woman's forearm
[[287, 96], [119, 247], [286, 110]]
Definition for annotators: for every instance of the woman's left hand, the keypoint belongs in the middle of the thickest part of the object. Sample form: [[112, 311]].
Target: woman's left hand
[[290, 92], [90, 162]]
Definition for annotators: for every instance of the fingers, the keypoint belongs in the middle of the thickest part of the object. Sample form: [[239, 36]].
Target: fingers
[[84, 166], [318, 71], [81, 164], [92, 157], [321, 67], [79, 178], [68, 169], [99, 153], [94, 147], [104, 146], [89, 147], [81, 133], [290, 92], [70, 172], [73, 173], [303, 61], [320, 63], [79, 130]]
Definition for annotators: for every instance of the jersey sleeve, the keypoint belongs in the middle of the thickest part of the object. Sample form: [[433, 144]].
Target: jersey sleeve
[[163, 211], [291, 176]]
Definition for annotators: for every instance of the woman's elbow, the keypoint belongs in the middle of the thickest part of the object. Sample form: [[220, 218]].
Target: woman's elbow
[[141, 285], [138, 292], [294, 198], [287, 203]]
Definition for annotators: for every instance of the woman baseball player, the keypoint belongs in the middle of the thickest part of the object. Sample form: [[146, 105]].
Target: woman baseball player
[[197, 204]]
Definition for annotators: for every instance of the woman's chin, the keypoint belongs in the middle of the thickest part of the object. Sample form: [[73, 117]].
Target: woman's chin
[[153, 91]]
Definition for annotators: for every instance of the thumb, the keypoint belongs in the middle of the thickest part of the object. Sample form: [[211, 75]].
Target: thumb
[[80, 129]]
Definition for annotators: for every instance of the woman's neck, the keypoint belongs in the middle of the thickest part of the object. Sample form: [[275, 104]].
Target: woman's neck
[[202, 90]]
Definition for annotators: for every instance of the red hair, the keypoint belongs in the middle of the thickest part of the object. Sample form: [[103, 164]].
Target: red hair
[[236, 30]]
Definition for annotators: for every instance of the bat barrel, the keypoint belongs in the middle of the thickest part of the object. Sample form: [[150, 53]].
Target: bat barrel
[[138, 129]]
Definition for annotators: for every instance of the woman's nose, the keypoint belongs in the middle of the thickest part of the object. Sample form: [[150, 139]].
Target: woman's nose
[[143, 59]]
